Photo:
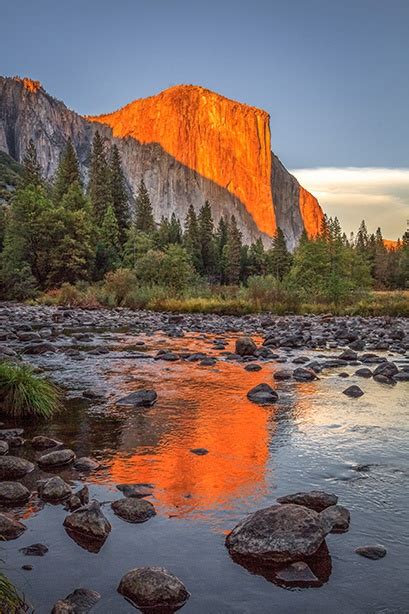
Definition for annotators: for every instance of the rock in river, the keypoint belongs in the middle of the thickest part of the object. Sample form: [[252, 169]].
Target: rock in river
[[13, 493], [262, 394], [337, 517], [373, 552], [279, 533], [304, 374], [135, 490], [41, 442], [35, 550], [10, 528], [133, 509], [139, 398], [79, 601], [85, 463], [353, 391], [89, 522], [316, 500], [59, 458], [14, 467], [245, 346], [53, 489], [153, 589], [4, 447]]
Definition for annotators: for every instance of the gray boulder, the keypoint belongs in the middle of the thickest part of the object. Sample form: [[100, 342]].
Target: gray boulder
[[133, 509], [59, 458], [14, 467], [53, 489], [10, 528], [153, 589], [336, 519], [13, 493], [316, 500], [245, 346], [139, 398], [89, 521], [262, 394]]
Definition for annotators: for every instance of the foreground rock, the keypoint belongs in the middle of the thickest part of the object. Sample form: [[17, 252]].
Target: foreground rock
[[135, 490], [262, 394], [10, 528], [79, 601], [4, 447], [279, 533], [13, 493], [14, 467], [133, 509], [59, 458], [53, 489], [245, 346], [88, 526], [353, 391], [41, 442], [86, 464], [35, 550], [373, 552], [336, 519], [153, 589], [316, 500], [139, 398]]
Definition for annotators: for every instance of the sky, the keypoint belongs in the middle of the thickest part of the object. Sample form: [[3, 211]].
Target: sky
[[332, 75]]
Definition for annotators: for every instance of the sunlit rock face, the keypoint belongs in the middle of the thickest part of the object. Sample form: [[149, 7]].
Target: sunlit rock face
[[187, 143]]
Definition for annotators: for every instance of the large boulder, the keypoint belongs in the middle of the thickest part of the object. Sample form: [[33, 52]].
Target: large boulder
[[353, 391], [14, 467], [53, 489], [10, 528], [277, 534], [13, 493], [133, 509], [245, 346], [153, 589], [388, 369], [316, 500], [41, 442], [336, 518], [139, 398], [59, 458], [262, 394], [89, 522], [304, 374]]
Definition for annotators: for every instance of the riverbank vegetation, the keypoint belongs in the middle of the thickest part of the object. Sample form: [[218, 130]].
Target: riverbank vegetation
[[24, 393], [69, 244]]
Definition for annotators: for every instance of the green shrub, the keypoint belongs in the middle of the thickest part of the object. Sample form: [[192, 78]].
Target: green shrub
[[118, 284], [10, 600], [23, 393]]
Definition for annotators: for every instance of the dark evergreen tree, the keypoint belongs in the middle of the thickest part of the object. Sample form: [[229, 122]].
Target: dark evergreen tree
[[279, 258], [68, 173], [144, 220], [220, 242], [362, 239], [99, 185], [119, 195], [191, 239], [232, 252], [108, 247], [257, 258], [380, 263], [207, 246], [31, 168]]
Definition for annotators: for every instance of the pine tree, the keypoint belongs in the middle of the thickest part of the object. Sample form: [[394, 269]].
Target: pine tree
[[31, 168], [169, 232], [232, 252], [118, 192], [362, 239], [220, 242], [192, 239], [144, 220], [380, 272], [207, 247], [257, 258], [279, 258], [108, 247], [98, 186], [68, 173]]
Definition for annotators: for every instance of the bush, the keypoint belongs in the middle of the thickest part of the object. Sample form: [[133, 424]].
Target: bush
[[23, 393], [118, 284], [267, 293]]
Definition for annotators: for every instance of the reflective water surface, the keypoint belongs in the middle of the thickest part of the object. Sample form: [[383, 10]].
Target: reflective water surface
[[314, 437]]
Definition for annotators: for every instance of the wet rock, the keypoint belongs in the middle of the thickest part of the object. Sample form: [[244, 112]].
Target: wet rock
[[167, 356], [83, 495], [16, 442], [316, 500], [303, 374], [208, 362], [133, 509], [297, 574], [4, 447], [336, 518], [402, 376], [14, 467], [279, 533], [353, 392], [262, 394], [53, 489], [7, 434], [73, 503], [388, 369], [383, 379], [245, 346], [364, 372], [200, 451], [41, 442], [35, 550], [42, 347], [253, 367], [153, 589], [135, 490], [27, 567], [59, 458], [343, 374], [10, 528], [373, 552], [79, 601], [139, 398], [282, 374], [90, 523], [348, 355], [85, 463], [13, 493]]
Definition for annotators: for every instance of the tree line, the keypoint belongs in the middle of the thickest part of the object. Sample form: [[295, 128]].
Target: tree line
[[68, 232]]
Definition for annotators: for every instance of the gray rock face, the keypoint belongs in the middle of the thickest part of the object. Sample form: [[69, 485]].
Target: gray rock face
[[316, 500], [245, 346], [10, 528], [59, 458], [172, 187], [280, 533], [53, 489], [13, 467], [262, 394], [133, 509], [13, 492], [154, 589]]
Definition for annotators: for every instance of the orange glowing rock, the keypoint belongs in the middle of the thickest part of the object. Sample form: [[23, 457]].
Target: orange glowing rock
[[30, 84], [222, 140]]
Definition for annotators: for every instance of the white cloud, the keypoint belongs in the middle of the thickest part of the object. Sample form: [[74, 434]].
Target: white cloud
[[378, 195]]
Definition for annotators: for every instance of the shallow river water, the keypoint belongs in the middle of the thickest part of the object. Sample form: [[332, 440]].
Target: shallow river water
[[314, 437]]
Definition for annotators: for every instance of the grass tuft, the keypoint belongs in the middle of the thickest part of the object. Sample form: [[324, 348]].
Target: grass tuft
[[23, 393], [10, 600]]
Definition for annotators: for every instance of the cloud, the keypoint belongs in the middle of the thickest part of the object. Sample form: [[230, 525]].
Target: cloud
[[378, 195]]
